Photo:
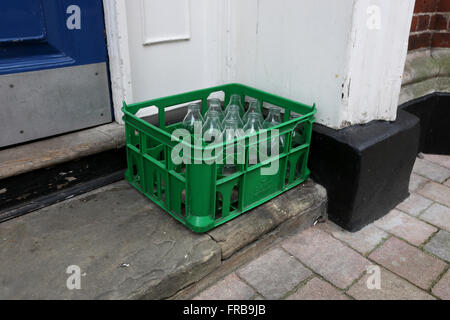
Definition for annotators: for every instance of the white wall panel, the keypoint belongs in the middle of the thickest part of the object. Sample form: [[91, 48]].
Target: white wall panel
[[165, 21], [174, 46]]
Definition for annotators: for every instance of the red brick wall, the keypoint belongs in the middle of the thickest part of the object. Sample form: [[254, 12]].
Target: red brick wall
[[430, 26]]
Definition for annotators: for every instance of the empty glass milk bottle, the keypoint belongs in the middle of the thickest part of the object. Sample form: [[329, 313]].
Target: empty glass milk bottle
[[253, 107], [235, 99], [273, 119], [231, 131], [193, 117], [252, 126], [233, 113], [298, 135], [212, 129], [215, 105]]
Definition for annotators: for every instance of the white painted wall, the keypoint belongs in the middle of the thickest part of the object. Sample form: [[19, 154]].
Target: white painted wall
[[295, 48], [313, 51]]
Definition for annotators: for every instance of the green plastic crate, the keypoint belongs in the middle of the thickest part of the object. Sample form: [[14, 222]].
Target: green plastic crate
[[199, 195]]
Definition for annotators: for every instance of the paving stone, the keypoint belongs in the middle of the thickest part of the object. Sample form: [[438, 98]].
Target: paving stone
[[436, 192], [317, 289], [274, 274], [415, 204], [447, 183], [416, 182], [438, 215], [442, 288], [431, 170], [230, 288], [439, 245], [363, 241], [404, 226], [392, 287], [408, 262], [442, 160], [327, 256]]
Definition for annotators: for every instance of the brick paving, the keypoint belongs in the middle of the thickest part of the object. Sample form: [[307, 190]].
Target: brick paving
[[415, 204], [439, 245], [442, 288], [437, 215], [231, 287], [406, 227], [409, 262], [317, 289], [274, 274], [447, 183], [409, 249]]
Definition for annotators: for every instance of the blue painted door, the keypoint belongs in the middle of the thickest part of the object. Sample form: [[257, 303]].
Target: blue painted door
[[53, 68]]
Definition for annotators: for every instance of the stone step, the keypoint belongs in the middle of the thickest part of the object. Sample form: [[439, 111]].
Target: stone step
[[48, 152], [128, 248]]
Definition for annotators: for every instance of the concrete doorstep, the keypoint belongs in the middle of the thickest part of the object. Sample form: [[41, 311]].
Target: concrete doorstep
[[126, 247]]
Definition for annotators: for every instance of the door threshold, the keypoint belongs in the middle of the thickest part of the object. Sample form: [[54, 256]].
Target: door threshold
[[49, 152]]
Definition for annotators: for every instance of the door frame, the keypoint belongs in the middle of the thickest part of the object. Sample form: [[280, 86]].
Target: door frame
[[119, 54]]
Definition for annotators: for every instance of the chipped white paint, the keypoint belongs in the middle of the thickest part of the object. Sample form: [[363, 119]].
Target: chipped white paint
[[376, 61]]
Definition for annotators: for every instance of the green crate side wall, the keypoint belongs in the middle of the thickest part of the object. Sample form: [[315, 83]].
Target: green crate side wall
[[165, 187]]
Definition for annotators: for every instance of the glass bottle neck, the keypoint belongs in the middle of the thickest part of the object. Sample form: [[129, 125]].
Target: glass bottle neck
[[235, 99]]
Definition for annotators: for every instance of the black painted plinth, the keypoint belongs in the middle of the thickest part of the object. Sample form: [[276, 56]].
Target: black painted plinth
[[365, 168], [434, 113]]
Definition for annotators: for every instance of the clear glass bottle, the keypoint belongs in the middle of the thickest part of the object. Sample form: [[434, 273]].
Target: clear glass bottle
[[233, 114], [235, 99], [212, 128], [231, 131], [253, 107], [298, 134], [215, 105], [193, 117], [273, 119], [252, 126]]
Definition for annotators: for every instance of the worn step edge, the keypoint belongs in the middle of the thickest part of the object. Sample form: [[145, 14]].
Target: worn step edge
[[183, 276], [48, 152], [265, 241], [245, 229]]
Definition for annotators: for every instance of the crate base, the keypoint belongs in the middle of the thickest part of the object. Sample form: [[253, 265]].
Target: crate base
[[195, 226]]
